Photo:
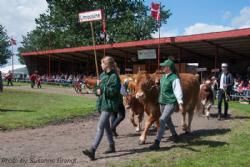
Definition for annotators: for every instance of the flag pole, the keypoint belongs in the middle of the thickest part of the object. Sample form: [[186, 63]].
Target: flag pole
[[159, 30], [159, 48], [12, 57], [104, 31], [93, 39]]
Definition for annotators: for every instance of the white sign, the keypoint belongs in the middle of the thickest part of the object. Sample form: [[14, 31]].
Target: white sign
[[215, 70], [128, 69], [147, 54], [90, 16], [201, 69]]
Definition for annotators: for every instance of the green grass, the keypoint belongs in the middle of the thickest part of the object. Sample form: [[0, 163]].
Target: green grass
[[23, 109], [220, 148], [43, 84]]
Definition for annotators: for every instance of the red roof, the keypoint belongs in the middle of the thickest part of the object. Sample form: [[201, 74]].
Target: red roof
[[184, 42]]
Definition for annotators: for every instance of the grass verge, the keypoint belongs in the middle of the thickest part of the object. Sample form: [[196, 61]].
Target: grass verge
[[223, 148], [23, 109]]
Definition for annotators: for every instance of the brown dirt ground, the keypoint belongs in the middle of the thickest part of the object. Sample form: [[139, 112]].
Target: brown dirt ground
[[54, 143]]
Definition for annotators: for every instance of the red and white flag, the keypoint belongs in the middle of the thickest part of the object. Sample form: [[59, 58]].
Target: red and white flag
[[155, 11], [12, 41]]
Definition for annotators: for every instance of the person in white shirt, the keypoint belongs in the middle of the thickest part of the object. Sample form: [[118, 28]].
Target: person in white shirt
[[226, 82]]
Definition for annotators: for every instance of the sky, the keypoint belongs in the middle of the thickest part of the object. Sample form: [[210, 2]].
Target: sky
[[201, 16], [188, 16]]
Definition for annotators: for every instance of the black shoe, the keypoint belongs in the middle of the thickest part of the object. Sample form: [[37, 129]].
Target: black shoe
[[111, 149], [89, 153], [155, 146], [114, 133], [174, 138]]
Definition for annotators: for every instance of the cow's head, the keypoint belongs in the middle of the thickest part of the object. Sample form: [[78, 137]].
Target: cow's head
[[146, 87]]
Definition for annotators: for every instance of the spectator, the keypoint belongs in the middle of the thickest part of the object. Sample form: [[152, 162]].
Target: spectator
[[33, 79], [9, 77]]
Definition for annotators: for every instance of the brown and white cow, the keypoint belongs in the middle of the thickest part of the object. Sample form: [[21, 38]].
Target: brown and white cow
[[206, 97], [135, 109], [148, 92]]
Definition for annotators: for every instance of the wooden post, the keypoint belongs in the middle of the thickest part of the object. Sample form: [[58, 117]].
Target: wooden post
[[216, 57], [125, 64], [12, 58], [159, 26], [88, 65], [159, 48], [93, 39], [49, 66]]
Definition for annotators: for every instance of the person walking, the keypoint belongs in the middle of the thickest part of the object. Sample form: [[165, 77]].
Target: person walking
[[33, 79], [107, 91], [225, 84], [118, 117], [9, 78], [170, 95]]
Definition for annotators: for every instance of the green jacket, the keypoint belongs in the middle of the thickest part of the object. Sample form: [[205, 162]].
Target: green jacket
[[110, 92], [166, 90]]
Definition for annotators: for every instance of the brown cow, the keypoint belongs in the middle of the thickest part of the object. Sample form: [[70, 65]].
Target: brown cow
[[136, 110], [90, 82], [148, 92]]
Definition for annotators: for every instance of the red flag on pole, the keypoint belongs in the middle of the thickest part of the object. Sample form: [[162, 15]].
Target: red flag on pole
[[12, 41], [155, 11], [103, 22]]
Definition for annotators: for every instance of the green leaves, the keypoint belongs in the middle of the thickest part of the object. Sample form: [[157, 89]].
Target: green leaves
[[5, 53], [59, 26]]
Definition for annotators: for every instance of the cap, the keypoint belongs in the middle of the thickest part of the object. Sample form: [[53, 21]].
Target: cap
[[168, 63], [224, 65]]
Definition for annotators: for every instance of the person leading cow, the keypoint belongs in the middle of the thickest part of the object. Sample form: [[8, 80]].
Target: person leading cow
[[225, 81], [108, 90], [170, 95]]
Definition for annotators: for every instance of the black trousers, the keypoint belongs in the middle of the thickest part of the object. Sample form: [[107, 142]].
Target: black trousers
[[32, 84], [117, 117], [9, 82], [222, 97]]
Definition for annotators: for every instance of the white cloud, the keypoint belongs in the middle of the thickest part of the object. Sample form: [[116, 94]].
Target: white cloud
[[237, 22], [166, 33], [18, 16], [243, 20], [199, 28]]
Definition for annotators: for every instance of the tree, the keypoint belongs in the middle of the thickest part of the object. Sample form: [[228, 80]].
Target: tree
[[5, 53], [59, 27]]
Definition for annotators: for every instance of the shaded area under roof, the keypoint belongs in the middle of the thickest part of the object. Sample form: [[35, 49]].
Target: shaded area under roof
[[209, 49]]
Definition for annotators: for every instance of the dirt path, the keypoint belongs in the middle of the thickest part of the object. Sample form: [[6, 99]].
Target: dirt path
[[62, 145], [55, 144]]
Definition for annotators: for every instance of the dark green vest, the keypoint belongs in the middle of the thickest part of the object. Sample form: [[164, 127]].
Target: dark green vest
[[166, 90], [110, 87]]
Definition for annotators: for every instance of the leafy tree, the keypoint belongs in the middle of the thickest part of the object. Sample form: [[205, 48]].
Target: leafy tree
[[5, 53], [126, 20]]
